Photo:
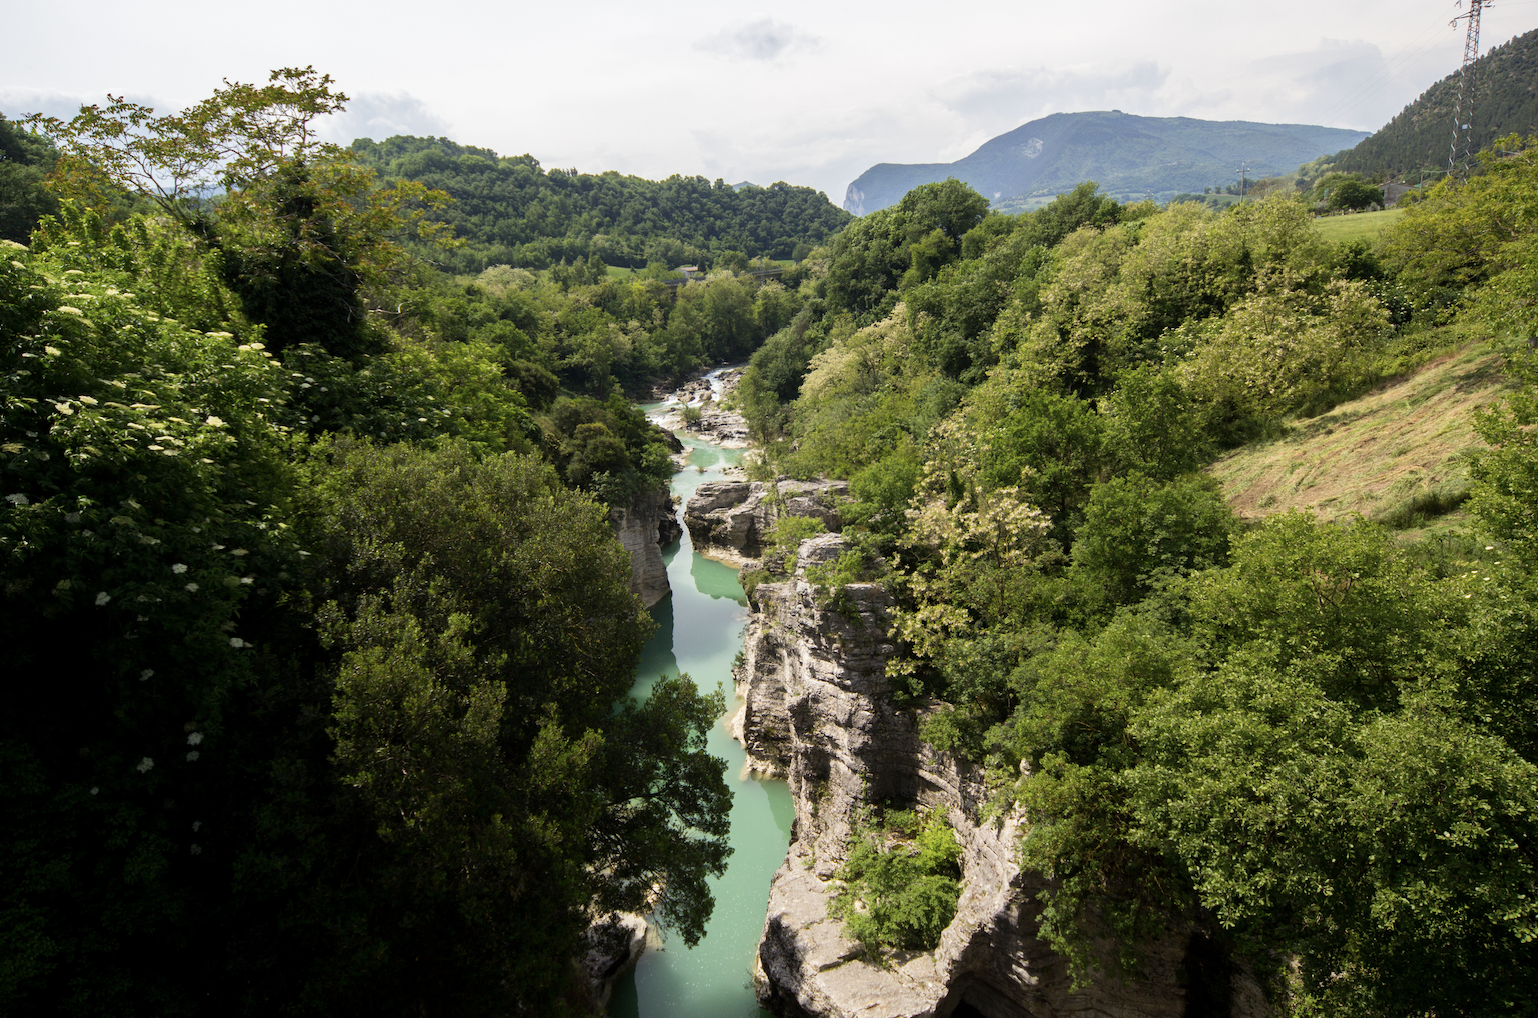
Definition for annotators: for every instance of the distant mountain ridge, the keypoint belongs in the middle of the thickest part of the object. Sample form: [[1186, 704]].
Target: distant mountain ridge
[[1506, 101], [1129, 156]]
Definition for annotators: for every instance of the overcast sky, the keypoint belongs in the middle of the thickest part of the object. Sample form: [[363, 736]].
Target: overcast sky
[[811, 93]]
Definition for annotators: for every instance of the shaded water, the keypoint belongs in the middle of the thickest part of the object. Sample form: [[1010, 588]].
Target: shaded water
[[699, 631]]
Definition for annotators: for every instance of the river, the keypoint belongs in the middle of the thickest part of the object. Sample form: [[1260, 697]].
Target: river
[[699, 631]]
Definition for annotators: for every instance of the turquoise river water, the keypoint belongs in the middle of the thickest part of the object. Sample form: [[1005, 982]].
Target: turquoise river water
[[699, 631]]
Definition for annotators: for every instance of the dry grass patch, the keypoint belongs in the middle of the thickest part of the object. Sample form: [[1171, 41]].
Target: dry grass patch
[[1398, 454]]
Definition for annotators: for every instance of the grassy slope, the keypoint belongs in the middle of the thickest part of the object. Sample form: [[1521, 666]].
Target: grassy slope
[[1360, 226], [1394, 453]]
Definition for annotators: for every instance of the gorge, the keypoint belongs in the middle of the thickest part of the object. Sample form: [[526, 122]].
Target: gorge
[[812, 739]]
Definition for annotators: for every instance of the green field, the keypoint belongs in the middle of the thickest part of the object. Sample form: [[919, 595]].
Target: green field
[[1358, 226]]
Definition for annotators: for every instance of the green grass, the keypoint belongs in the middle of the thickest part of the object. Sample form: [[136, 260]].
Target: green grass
[[1366, 226]]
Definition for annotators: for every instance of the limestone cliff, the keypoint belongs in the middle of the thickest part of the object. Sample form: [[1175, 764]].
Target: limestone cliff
[[644, 528], [730, 520], [817, 709]]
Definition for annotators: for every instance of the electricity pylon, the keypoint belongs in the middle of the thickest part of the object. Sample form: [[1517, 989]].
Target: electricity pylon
[[1463, 115]]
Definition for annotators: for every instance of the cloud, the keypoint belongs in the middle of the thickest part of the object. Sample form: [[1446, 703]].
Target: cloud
[[1003, 98], [16, 103], [824, 150], [380, 115], [764, 39], [1343, 82], [376, 115]]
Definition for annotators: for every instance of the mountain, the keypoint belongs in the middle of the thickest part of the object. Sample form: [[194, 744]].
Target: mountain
[[1129, 156], [1506, 101], [512, 211]]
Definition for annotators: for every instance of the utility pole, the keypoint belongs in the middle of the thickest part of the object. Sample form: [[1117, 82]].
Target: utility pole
[[1463, 115]]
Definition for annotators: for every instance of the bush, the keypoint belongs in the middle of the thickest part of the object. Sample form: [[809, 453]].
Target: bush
[[901, 882], [1138, 532]]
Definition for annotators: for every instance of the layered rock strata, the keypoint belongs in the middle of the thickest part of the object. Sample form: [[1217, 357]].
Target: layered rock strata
[[730, 520], [817, 709], [644, 528]]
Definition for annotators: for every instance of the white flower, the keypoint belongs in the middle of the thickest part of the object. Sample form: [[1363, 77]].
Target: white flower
[[192, 756], [94, 789], [192, 588], [196, 738], [102, 598], [66, 309], [197, 849], [71, 517], [240, 551], [145, 766], [146, 675], [197, 825], [179, 568], [237, 642], [88, 401], [17, 499], [248, 580], [214, 422]]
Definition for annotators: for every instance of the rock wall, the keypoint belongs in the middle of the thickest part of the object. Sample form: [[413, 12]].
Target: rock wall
[[644, 528], [730, 520], [817, 709], [615, 943]]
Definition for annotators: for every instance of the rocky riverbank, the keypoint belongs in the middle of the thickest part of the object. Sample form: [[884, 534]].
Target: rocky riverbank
[[729, 521], [817, 708], [698, 409]]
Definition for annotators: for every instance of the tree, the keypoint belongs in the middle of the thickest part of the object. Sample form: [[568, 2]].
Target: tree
[[24, 159], [295, 229], [1139, 533], [475, 715], [1354, 194]]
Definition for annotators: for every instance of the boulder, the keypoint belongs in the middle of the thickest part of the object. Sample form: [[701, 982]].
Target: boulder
[[730, 520]]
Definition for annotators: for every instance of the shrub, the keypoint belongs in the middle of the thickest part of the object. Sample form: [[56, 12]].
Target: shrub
[[901, 882]]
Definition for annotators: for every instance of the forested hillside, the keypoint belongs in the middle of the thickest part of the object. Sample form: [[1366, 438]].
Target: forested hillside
[[318, 639], [1315, 740], [511, 211], [1506, 88]]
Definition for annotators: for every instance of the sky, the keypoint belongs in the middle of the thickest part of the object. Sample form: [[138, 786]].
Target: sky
[[812, 93]]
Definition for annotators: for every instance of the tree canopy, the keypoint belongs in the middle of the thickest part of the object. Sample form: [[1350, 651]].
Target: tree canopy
[[513, 211]]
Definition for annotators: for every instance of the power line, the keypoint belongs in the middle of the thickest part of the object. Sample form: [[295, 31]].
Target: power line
[[1462, 126]]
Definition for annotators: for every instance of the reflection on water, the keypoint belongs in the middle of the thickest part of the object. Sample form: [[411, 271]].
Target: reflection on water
[[699, 631]]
